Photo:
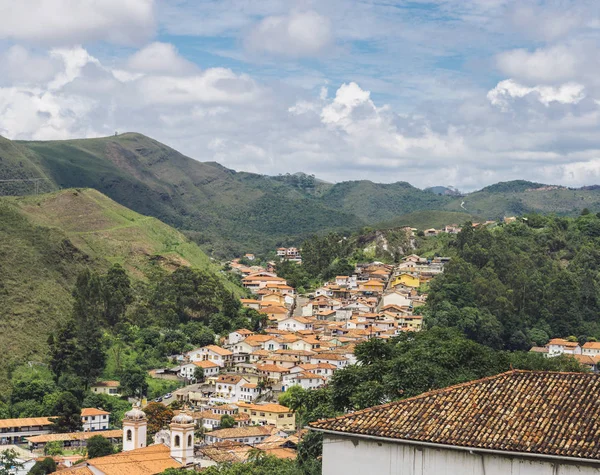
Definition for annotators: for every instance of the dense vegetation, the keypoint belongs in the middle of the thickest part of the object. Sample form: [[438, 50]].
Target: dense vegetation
[[520, 284], [229, 213], [46, 241]]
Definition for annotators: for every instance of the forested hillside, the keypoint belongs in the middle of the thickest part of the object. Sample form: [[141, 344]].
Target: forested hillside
[[520, 284], [230, 213], [46, 241]]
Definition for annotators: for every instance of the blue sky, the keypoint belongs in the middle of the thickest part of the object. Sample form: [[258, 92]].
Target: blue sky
[[451, 92]]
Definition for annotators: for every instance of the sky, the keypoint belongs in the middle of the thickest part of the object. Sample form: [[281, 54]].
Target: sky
[[440, 92]]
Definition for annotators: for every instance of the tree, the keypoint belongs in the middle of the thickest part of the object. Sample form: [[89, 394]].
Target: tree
[[53, 447], [227, 421], [199, 374], [116, 295], [99, 446], [9, 462], [133, 382], [43, 467], [159, 416], [68, 412]]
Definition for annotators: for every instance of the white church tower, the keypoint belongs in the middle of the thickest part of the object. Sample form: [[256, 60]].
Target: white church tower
[[135, 426], [182, 438]]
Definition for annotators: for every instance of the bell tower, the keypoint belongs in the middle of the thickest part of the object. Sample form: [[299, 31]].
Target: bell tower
[[182, 438], [135, 426]]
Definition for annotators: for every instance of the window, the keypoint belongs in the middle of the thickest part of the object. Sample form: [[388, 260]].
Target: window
[[280, 416], [190, 442], [177, 441], [128, 434]]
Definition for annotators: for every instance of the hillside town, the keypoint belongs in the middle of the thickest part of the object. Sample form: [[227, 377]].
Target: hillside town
[[304, 341]]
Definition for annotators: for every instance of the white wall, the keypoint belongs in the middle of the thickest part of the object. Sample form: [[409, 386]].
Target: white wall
[[342, 457]]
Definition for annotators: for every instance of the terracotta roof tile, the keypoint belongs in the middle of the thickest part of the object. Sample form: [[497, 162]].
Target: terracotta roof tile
[[519, 411]]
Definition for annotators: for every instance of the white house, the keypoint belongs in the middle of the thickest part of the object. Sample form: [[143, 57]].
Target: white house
[[213, 353], [558, 346], [249, 392], [250, 435], [94, 419], [337, 360], [591, 348], [295, 324], [238, 335], [396, 298], [210, 368], [472, 429], [228, 389]]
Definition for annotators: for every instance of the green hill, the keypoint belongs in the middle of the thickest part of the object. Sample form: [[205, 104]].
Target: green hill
[[46, 240], [229, 213]]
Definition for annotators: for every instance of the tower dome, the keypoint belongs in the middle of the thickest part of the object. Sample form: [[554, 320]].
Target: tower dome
[[135, 414], [183, 418]]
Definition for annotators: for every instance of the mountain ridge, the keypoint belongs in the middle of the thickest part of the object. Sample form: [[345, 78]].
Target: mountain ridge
[[230, 212]]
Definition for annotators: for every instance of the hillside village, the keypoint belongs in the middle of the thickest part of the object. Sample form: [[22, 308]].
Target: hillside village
[[304, 341]]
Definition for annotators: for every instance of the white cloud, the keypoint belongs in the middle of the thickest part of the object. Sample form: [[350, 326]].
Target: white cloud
[[304, 33], [67, 22], [160, 58], [505, 91], [555, 64]]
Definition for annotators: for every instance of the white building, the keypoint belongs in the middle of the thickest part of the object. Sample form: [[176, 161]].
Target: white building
[[94, 419], [295, 324], [228, 389], [591, 348], [506, 424], [213, 353], [558, 346], [239, 335], [250, 435], [210, 368]]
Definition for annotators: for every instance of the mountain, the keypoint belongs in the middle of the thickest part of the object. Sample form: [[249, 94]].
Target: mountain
[[46, 240], [229, 213], [444, 190]]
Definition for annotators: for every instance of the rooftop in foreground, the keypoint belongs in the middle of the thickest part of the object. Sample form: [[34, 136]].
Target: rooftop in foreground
[[544, 413]]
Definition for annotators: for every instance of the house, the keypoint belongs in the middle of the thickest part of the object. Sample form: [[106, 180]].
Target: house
[[269, 414], [73, 440], [250, 435], [559, 346], [250, 257], [14, 431], [251, 303], [591, 348], [519, 422], [372, 286], [238, 335], [249, 392], [106, 387], [407, 280], [335, 359], [275, 312], [273, 299], [396, 298], [228, 389], [188, 370], [213, 353], [295, 324], [94, 419], [272, 371], [431, 232]]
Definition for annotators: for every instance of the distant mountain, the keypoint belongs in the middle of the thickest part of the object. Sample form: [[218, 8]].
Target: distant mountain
[[229, 213], [46, 240], [444, 190]]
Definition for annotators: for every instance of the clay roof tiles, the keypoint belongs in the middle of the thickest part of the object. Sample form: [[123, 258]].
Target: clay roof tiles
[[545, 413]]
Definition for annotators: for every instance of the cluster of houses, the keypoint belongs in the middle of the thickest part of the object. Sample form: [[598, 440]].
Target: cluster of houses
[[289, 253], [587, 354]]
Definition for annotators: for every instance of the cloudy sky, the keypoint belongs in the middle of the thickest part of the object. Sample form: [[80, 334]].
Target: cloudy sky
[[437, 92]]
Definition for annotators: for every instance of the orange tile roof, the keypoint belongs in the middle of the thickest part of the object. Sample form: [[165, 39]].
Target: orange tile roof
[[241, 432], [592, 345], [545, 413], [562, 342], [24, 422], [106, 384], [145, 461], [206, 364], [218, 350], [41, 439], [92, 411], [272, 368], [264, 407]]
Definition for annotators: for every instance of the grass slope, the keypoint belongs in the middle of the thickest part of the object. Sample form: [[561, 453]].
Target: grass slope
[[46, 240]]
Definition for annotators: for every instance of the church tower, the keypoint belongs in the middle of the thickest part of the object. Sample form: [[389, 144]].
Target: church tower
[[134, 429], [182, 438]]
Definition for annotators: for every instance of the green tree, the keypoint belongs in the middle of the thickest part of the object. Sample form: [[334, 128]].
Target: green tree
[[117, 294], [43, 467], [199, 374], [68, 414], [53, 447], [99, 446], [9, 462], [227, 421], [133, 382]]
